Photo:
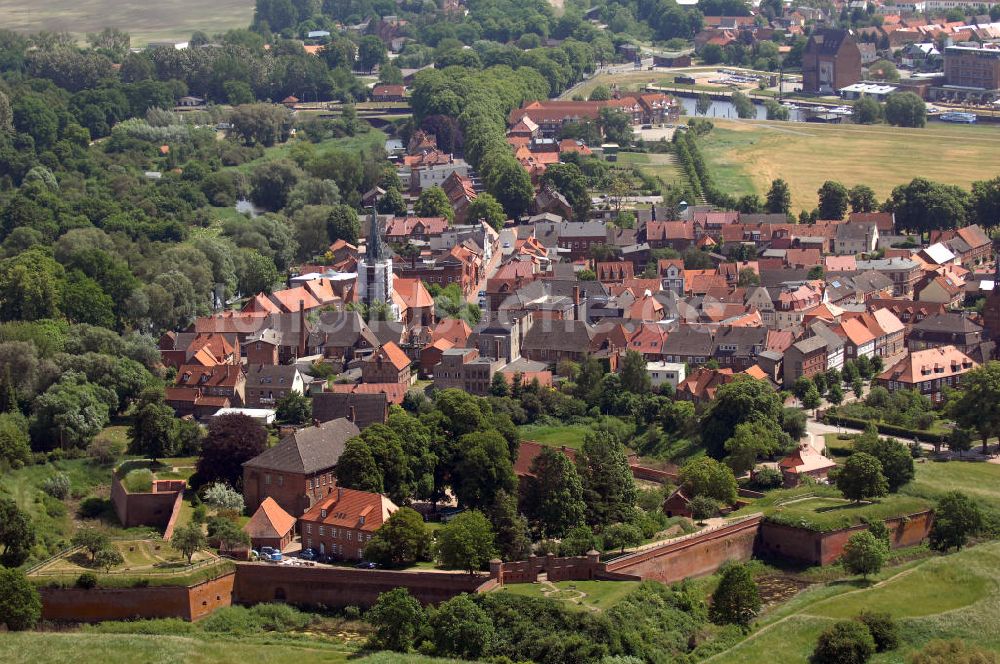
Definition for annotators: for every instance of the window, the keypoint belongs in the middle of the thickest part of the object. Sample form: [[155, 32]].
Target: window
[[349, 534], [267, 478], [322, 530], [322, 514], [309, 529], [309, 484], [281, 480]]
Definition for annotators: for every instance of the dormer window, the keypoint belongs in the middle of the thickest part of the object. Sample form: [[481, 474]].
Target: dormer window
[[322, 514]]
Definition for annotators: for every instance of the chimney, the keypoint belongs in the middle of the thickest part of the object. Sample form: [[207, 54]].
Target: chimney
[[576, 303], [340, 492]]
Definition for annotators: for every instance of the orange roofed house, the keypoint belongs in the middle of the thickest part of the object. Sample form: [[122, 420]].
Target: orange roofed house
[[928, 372], [388, 364], [270, 526], [342, 524]]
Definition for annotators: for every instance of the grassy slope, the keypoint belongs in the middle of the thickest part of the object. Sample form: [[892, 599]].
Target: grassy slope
[[657, 165], [599, 594], [746, 156], [944, 597], [570, 435], [979, 480], [168, 19]]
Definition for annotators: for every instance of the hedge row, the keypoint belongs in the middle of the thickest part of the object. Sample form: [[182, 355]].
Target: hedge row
[[887, 429]]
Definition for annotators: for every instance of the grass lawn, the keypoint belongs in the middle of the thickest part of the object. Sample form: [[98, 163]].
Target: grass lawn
[[977, 479], [954, 596], [582, 595], [746, 156], [569, 435], [150, 558], [171, 19], [659, 166], [822, 508]]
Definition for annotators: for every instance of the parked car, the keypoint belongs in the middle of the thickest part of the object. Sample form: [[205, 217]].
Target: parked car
[[307, 554], [366, 564], [267, 550], [276, 557]]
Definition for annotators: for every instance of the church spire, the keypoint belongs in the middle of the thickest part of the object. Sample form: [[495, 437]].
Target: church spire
[[376, 248]]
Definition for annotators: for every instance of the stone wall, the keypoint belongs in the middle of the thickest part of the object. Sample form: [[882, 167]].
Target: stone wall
[[693, 555], [824, 548], [158, 508], [98, 604], [339, 586]]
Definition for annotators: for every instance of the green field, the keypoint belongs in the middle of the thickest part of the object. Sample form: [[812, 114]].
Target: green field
[[661, 166], [568, 435], [581, 595], [745, 157], [822, 508], [954, 596], [979, 480], [168, 19]]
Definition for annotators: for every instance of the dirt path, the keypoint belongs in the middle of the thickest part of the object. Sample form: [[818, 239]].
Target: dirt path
[[568, 594]]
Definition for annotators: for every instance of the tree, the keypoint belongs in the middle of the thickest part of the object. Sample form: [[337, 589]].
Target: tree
[[616, 125], [256, 273], [861, 478], [703, 104], [866, 111], [466, 542], [293, 408], [553, 500], [635, 378], [392, 202], [744, 107], [835, 394], [905, 109], [750, 440], [736, 600], [189, 540], [608, 487], [486, 208], [711, 54], [844, 642], [897, 463], [510, 184], [153, 431], [15, 448], [779, 197], [883, 70], [600, 93], [922, 205], [232, 440], [108, 557], [703, 507], [265, 124], [748, 277], [17, 534], [397, 621], [621, 535], [743, 400], [357, 469], [223, 497], [956, 517], [811, 399], [862, 198], [510, 528], [92, 540], [484, 468], [343, 224], [833, 200], [31, 286], [402, 540], [974, 404], [985, 201], [371, 52], [884, 630], [20, 604], [704, 476], [461, 628], [433, 202], [865, 554]]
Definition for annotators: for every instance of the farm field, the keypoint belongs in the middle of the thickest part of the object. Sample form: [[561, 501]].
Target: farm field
[[168, 19], [953, 596], [744, 157]]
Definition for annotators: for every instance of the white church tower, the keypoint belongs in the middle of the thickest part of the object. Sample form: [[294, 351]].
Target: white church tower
[[375, 277]]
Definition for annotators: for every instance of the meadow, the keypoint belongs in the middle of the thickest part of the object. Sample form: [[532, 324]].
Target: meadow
[[568, 435], [745, 156], [955, 596], [144, 21]]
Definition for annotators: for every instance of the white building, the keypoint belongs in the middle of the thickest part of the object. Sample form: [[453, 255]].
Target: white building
[[375, 277], [665, 372]]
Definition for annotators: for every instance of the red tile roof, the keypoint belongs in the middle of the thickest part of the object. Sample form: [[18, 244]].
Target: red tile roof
[[269, 521], [348, 508]]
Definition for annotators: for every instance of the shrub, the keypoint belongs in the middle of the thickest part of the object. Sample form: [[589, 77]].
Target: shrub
[[736, 600], [953, 652], [703, 507], [883, 628], [106, 451], [57, 486], [280, 617], [139, 480], [231, 620], [222, 497], [87, 580], [846, 642], [352, 612], [767, 478]]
